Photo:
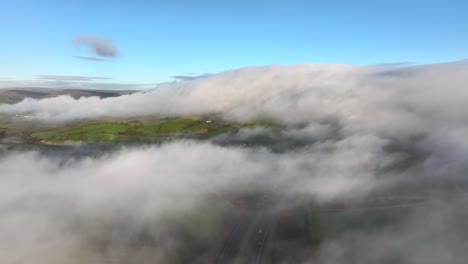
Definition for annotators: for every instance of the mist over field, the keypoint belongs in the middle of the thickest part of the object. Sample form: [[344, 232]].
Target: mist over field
[[346, 132], [310, 93]]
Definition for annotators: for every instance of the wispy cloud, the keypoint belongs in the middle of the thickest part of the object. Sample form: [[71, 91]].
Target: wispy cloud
[[102, 47], [71, 78], [90, 58]]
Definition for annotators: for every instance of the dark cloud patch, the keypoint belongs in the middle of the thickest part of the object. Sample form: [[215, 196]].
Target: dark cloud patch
[[70, 78], [190, 77], [397, 72], [90, 58], [100, 46]]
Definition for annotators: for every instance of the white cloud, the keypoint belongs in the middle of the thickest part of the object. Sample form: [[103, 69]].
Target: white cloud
[[73, 205], [365, 128]]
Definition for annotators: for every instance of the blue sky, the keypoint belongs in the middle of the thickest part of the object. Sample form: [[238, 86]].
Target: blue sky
[[160, 39]]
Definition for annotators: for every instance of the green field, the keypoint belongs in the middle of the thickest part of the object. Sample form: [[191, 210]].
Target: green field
[[310, 227], [132, 130], [145, 129], [5, 100], [326, 224]]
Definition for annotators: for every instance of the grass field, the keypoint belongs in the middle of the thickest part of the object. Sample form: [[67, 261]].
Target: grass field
[[132, 130], [5, 100], [325, 224], [145, 129], [308, 227]]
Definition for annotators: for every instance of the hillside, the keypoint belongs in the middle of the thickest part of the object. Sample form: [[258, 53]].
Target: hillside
[[14, 95]]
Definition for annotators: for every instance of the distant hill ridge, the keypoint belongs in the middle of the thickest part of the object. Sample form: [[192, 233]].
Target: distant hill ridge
[[15, 95]]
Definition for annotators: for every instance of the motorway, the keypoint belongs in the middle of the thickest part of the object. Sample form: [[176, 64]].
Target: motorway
[[248, 240]]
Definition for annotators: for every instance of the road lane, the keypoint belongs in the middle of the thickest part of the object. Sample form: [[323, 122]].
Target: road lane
[[247, 243]]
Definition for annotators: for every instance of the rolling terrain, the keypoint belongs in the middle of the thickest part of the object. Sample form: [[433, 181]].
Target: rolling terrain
[[21, 129]]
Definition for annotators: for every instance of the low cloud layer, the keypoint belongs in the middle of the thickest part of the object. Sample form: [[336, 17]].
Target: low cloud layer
[[360, 96], [416, 116], [137, 205], [96, 209], [345, 133], [422, 110], [99, 46]]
